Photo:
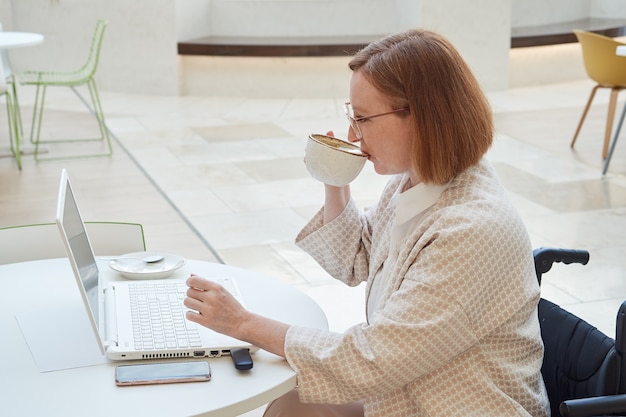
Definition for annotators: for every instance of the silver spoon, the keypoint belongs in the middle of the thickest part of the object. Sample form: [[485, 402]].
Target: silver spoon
[[147, 259]]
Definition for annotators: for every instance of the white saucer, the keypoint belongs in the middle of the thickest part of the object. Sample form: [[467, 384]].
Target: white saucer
[[138, 269]]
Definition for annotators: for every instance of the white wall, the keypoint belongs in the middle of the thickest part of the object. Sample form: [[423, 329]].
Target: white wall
[[483, 39], [480, 30], [544, 12], [139, 48], [192, 19], [608, 8], [271, 18]]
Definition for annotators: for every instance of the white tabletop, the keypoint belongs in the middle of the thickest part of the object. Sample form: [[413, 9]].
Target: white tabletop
[[91, 391], [19, 39]]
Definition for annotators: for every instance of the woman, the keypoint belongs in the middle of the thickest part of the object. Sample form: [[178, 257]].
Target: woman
[[452, 326]]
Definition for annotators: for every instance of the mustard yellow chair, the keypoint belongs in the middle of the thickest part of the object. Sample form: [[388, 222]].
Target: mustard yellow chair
[[605, 68]]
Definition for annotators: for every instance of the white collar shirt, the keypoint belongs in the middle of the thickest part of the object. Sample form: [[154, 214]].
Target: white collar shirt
[[411, 205]]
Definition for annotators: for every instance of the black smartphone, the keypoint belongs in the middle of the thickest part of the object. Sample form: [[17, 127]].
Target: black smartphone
[[162, 373]]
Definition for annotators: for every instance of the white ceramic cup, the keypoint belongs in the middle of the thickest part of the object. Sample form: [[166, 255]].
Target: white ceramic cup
[[333, 161]]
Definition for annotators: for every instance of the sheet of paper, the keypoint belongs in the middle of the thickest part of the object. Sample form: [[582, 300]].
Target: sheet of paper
[[60, 339]]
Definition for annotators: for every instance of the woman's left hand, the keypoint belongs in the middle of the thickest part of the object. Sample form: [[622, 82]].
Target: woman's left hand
[[213, 306]]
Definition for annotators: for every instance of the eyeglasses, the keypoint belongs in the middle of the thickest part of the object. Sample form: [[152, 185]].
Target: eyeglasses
[[354, 122]]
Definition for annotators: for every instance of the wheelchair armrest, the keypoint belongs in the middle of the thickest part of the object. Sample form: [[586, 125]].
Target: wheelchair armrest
[[545, 257], [594, 406]]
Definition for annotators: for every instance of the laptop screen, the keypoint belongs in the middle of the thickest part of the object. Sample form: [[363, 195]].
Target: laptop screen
[[77, 244]]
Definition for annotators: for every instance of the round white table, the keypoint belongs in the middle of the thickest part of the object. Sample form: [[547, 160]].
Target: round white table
[[91, 391], [19, 39]]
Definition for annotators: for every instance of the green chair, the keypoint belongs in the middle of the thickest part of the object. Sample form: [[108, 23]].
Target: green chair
[[83, 76], [43, 241], [12, 116]]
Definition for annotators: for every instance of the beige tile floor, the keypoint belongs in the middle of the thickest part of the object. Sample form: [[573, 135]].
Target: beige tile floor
[[223, 179]]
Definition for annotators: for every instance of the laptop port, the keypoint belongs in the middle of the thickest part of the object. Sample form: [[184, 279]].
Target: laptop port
[[198, 353], [214, 353]]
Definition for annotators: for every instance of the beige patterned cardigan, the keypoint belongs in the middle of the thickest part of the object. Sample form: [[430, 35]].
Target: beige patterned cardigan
[[455, 331]]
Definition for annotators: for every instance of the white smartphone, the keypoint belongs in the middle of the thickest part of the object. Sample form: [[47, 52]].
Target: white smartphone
[[162, 373]]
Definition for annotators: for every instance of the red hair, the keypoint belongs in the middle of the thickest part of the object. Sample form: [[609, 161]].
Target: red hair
[[451, 116]]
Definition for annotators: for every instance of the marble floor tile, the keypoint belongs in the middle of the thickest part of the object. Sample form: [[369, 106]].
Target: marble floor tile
[[276, 169], [259, 227], [242, 131], [278, 260]]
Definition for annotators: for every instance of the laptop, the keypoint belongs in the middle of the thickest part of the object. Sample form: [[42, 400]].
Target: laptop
[[119, 310]]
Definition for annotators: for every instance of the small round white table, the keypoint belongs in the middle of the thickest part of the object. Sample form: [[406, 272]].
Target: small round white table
[[91, 391], [19, 39]]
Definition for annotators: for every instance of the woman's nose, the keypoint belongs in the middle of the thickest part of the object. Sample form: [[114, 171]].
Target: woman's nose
[[352, 136]]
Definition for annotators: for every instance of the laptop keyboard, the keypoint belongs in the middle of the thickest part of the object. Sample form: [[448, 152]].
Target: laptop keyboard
[[158, 316]]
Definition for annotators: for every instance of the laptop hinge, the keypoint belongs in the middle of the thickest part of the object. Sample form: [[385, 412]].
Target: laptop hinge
[[110, 318]]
